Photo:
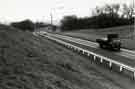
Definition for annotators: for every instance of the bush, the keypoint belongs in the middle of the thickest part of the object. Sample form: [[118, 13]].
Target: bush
[[24, 25]]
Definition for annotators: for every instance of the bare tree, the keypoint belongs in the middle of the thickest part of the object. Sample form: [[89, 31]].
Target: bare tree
[[97, 11], [116, 8], [128, 11]]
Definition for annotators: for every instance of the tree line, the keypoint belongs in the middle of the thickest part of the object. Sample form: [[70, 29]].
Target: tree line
[[28, 25], [102, 17]]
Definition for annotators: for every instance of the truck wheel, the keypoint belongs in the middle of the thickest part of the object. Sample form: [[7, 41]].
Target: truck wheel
[[118, 49], [101, 46]]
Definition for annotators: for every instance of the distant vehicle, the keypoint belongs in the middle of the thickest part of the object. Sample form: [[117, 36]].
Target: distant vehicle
[[111, 42], [45, 33], [42, 33]]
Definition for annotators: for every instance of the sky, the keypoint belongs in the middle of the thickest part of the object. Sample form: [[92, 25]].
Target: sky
[[40, 10]]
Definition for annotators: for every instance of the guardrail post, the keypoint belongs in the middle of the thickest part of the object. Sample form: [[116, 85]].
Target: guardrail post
[[101, 60], [83, 51], [134, 74], [110, 64], [94, 57], [121, 68]]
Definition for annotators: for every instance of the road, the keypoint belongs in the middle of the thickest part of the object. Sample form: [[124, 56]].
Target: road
[[124, 55], [123, 52]]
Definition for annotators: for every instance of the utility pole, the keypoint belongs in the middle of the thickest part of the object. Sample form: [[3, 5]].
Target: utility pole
[[133, 33], [51, 15], [134, 15], [51, 18]]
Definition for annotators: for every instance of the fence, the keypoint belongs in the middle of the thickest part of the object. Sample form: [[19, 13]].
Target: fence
[[101, 58]]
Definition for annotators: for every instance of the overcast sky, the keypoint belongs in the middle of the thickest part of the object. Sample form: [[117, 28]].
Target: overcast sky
[[39, 10]]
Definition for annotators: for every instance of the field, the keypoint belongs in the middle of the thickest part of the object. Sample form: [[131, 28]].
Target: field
[[30, 62], [126, 34]]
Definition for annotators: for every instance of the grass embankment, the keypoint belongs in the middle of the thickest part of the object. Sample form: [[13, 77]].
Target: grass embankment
[[29, 62], [126, 35]]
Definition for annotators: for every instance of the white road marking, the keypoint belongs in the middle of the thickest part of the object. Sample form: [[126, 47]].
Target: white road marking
[[76, 40], [129, 51]]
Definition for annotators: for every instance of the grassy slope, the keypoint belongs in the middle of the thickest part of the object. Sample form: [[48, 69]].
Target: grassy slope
[[29, 62], [125, 33]]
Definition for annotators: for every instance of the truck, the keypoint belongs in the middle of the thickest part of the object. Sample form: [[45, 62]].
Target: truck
[[111, 42]]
